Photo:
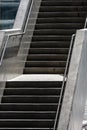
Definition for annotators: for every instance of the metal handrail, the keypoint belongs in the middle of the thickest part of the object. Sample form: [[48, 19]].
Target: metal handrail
[[65, 76], [16, 34], [85, 26], [64, 79]]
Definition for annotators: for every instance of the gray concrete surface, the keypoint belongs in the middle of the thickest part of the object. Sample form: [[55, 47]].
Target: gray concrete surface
[[72, 112], [38, 77], [21, 14], [12, 67]]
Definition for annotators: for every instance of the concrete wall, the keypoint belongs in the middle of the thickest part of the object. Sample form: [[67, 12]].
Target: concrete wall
[[18, 24], [21, 14], [12, 67], [72, 112]]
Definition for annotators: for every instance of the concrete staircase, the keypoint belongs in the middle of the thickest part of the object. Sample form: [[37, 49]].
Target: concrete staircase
[[32, 105], [56, 22], [29, 105]]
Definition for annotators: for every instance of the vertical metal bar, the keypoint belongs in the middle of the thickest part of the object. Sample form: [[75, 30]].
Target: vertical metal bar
[[85, 26], [64, 79]]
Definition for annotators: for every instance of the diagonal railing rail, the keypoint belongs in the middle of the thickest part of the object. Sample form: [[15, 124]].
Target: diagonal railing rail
[[16, 34], [64, 80], [84, 126], [85, 26]]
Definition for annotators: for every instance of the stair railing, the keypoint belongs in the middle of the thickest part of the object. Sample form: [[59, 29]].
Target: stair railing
[[15, 34], [64, 80], [85, 26]]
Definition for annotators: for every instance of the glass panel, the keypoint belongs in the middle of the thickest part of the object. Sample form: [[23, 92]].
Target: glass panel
[[8, 11]]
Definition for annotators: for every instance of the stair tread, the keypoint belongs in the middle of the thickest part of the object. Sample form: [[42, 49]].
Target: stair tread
[[28, 115], [44, 70], [45, 63], [30, 88], [53, 31], [48, 50], [59, 19], [62, 14], [28, 107], [34, 84], [27, 111], [68, 3], [62, 8], [37, 120], [11, 128], [47, 55]]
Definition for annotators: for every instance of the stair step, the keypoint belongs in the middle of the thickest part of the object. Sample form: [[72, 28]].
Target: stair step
[[44, 70], [54, 31], [62, 8], [25, 128], [27, 115], [48, 50], [51, 44], [47, 38], [46, 57], [63, 3], [45, 63], [28, 107], [32, 91], [32, 123], [59, 26], [30, 99], [34, 84], [61, 20], [61, 14], [51, 38]]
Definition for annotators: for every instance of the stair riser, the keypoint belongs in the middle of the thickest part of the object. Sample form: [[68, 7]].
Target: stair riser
[[63, 3], [45, 70], [62, 8], [27, 115], [47, 58], [53, 32], [26, 124], [32, 107], [48, 51], [45, 64], [51, 38], [24, 129], [60, 20], [51, 44], [34, 84], [30, 99], [31, 91], [57, 14]]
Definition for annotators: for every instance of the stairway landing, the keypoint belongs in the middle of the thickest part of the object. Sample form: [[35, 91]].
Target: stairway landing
[[38, 77]]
